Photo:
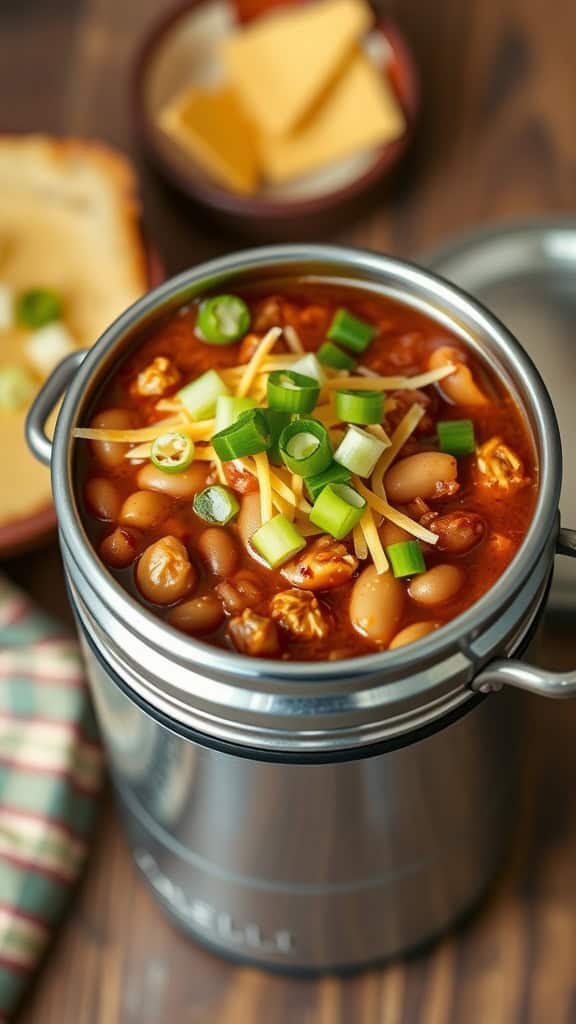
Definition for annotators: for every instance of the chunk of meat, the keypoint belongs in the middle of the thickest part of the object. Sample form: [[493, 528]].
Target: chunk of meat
[[499, 466], [269, 313], [239, 592], [457, 532], [239, 479], [401, 401], [299, 612], [157, 378], [248, 347], [255, 635], [325, 564]]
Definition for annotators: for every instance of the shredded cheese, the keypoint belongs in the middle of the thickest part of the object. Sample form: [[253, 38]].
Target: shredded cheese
[[264, 485], [298, 489], [140, 434], [360, 545], [282, 506], [220, 470], [292, 339], [403, 431], [277, 484], [377, 430], [252, 367], [404, 522], [420, 380], [373, 542]]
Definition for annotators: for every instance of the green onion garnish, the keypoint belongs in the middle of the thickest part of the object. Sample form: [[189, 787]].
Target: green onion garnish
[[172, 452], [201, 395], [359, 451], [456, 437], [333, 356], [276, 421], [38, 307], [229, 408], [351, 332], [216, 504], [360, 406], [334, 474], [337, 510], [247, 436], [406, 558], [277, 541], [223, 319], [310, 367], [305, 447], [292, 392]]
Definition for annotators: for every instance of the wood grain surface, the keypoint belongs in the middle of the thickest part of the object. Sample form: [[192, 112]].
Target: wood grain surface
[[496, 141]]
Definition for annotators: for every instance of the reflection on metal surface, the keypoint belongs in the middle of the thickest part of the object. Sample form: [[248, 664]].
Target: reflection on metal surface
[[526, 275]]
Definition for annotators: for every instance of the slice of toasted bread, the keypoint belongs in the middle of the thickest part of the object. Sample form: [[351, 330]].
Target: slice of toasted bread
[[68, 222]]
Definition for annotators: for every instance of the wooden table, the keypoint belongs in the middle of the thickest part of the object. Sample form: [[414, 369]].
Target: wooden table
[[497, 141]]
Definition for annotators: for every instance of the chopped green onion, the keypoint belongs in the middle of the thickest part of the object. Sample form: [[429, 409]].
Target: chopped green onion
[[216, 504], [305, 447], [351, 332], [310, 367], [360, 406], [406, 558], [201, 395], [359, 451], [334, 474], [337, 510], [292, 392], [333, 356], [38, 306], [456, 437], [172, 452], [223, 319], [276, 421], [277, 541], [17, 387], [229, 408], [247, 436]]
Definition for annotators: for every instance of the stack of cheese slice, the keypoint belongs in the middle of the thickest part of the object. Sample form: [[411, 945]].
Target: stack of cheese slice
[[299, 94]]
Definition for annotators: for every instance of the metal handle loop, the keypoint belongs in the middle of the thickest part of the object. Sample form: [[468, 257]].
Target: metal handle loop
[[557, 685], [43, 404]]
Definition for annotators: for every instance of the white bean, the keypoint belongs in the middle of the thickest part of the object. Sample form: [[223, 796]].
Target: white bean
[[198, 615], [176, 485], [144, 509], [102, 498], [164, 572], [218, 550], [111, 453], [376, 605], [415, 631], [249, 519], [460, 387], [420, 476], [437, 585]]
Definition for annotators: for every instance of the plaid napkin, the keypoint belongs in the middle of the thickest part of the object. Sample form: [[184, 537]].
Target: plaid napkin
[[50, 777]]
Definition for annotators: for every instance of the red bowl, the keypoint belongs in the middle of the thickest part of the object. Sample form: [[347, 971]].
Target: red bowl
[[163, 67], [33, 531]]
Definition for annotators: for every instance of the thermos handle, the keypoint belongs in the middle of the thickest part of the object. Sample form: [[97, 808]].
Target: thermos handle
[[497, 674], [44, 403]]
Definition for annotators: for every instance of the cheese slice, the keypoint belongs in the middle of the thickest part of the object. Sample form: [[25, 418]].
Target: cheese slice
[[359, 112], [212, 127], [282, 63]]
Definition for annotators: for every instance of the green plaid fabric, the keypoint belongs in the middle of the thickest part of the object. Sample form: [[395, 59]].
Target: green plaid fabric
[[50, 777]]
